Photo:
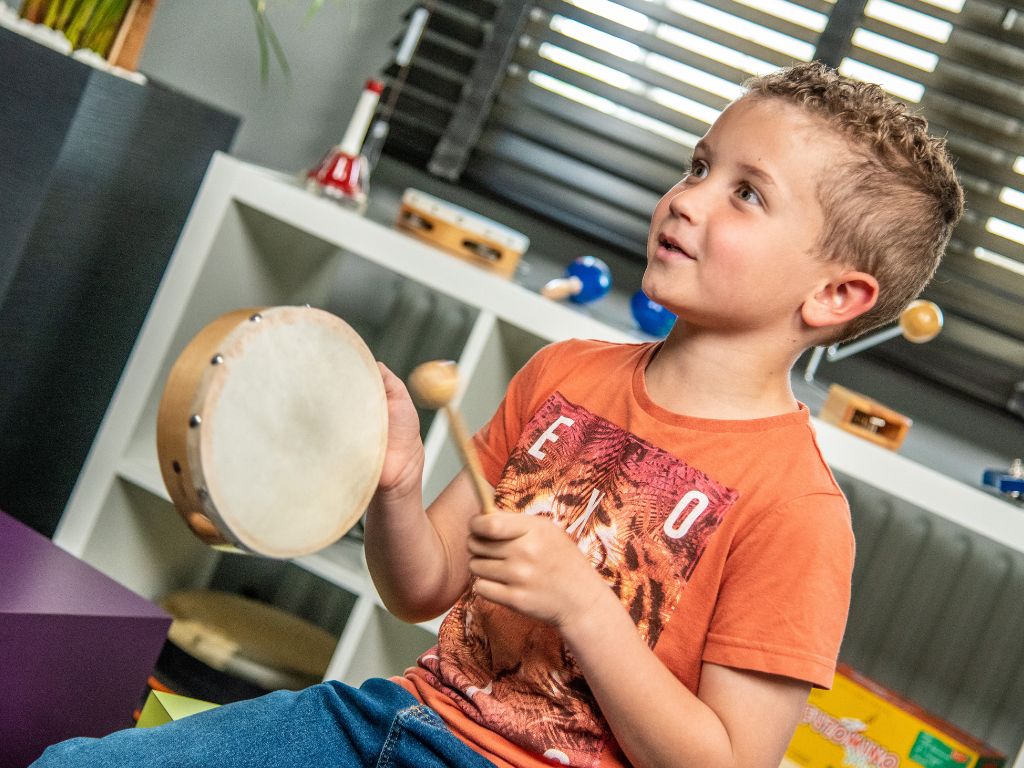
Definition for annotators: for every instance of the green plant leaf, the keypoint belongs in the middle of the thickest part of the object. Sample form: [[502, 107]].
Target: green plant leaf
[[275, 46], [268, 42], [261, 38], [102, 27], [314, 7]]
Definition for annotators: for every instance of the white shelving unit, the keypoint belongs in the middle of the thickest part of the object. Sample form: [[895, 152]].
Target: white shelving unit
[[255, 238]]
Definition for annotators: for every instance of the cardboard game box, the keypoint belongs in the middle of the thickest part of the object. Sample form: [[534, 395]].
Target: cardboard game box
[[860, 724]]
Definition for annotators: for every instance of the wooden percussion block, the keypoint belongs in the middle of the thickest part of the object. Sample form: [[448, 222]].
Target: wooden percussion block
[[461, 232], [161, 708], [865, 417]]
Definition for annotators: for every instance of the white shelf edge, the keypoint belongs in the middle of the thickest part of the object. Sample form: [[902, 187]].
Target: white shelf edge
[[969, 507], [144, 473], [351, 636], [342, 564], [285, 201]]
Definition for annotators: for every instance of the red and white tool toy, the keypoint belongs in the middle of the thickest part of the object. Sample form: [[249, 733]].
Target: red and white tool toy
[[343, 174]]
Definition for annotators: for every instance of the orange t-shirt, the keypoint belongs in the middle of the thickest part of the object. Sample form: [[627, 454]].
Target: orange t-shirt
[[727, 541]]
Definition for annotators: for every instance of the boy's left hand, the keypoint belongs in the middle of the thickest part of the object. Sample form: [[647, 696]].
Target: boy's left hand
[[529, 564]]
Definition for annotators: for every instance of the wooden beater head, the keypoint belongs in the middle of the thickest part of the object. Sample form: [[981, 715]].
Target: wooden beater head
[[434, 385]]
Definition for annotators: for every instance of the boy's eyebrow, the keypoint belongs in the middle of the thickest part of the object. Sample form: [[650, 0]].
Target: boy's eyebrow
[[758, 173]]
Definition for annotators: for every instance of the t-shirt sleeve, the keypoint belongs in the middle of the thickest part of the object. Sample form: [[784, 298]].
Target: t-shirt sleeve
[[785, 592], [496, 439]]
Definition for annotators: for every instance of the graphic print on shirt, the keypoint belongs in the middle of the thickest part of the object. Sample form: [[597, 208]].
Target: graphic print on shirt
[[641, 515]]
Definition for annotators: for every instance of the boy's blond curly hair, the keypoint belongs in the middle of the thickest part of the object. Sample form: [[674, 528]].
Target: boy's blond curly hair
[[891, 205]]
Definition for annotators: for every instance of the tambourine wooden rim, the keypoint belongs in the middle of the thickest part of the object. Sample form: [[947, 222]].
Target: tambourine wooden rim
[[195, 393]]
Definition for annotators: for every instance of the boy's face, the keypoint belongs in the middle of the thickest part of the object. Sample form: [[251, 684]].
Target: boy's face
[[732, 246]]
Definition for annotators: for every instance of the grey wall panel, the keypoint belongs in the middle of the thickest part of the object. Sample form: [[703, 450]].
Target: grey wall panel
[[938, 615], [99, 175]]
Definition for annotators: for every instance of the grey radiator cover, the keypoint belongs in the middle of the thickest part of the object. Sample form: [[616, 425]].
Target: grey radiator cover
[[938, 615]]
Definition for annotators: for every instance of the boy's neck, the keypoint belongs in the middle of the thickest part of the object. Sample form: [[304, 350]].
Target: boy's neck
[[715, 376]]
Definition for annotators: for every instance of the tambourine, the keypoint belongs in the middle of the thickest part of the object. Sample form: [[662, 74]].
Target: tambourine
[[271, 430]]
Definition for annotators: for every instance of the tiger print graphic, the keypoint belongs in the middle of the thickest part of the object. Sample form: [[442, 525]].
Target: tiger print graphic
[[641, 515]]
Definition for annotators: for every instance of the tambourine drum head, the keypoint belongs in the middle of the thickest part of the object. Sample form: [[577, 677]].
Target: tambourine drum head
[[285, 436]]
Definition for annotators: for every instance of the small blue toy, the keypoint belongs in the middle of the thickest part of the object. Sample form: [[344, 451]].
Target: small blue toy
[[651, 316], [586, 279], [1008, 482]]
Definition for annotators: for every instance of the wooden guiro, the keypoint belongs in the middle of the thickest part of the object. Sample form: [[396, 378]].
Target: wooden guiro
[[434, 385]]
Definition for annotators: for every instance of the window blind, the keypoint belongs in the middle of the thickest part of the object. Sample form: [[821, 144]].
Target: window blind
[[962, 64], [604, 101], [596, 106]]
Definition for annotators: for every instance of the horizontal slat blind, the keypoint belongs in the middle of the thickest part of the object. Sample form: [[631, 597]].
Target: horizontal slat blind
[[436, 77], [603, 101], [962, 64]]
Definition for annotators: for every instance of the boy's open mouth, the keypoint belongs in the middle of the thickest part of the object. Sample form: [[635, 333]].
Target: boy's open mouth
[[671, 245]]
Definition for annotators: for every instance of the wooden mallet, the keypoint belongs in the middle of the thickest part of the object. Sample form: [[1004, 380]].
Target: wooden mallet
[[433, 385]]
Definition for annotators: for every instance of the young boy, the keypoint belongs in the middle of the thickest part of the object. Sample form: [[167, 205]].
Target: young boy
[[669, 571]]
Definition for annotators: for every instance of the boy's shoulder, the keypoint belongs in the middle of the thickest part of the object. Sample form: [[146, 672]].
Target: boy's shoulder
[[577, 352], [585, 360]]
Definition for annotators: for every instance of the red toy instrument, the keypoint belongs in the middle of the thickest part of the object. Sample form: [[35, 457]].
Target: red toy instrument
[[343, 173]]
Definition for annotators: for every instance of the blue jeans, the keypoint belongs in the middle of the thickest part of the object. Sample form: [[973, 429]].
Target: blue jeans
[[330, 724]]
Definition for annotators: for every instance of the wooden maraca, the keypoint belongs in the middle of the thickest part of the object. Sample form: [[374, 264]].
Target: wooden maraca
[[586, 279], [921, 321], [433, 385]]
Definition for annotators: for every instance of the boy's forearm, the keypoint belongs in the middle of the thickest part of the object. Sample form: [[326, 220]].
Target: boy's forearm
[[657, 720], [406, 557], [418, 559]]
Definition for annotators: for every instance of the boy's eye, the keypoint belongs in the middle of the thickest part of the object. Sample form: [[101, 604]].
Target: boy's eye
[[749, 195], [698, 170]]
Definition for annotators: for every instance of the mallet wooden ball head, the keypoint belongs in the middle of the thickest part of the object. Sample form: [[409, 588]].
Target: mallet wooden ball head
[[434, 385]]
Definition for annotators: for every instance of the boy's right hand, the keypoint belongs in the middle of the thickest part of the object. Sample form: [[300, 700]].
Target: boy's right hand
[[402, 472]]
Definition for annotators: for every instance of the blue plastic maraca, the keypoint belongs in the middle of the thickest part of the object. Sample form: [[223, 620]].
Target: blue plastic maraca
[[586, 279], [651, 316]]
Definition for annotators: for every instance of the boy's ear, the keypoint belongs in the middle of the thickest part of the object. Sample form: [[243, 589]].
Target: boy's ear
[[846, 296]]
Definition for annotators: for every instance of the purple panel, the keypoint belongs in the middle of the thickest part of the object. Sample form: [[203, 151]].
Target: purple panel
[[76, 647], [39, 577]]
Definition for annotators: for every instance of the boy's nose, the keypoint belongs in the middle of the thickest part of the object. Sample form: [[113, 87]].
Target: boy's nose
[[685, 202]]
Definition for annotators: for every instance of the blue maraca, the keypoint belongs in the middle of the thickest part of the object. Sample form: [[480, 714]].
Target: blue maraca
[[651, 316], [586, 279]]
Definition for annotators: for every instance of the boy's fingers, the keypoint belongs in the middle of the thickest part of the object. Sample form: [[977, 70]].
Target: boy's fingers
[[492, 570], [500, 526], [486, 547], [403, 422], [392, 384]]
